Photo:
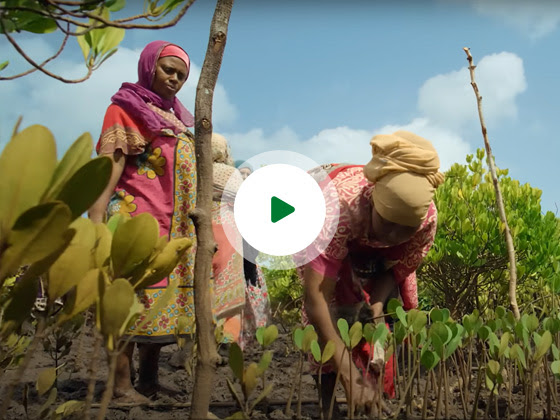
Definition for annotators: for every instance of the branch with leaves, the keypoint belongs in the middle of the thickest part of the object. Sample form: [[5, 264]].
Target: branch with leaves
[[89, 22]]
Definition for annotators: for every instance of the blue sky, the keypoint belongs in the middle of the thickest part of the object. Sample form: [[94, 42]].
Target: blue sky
[[321, 78]]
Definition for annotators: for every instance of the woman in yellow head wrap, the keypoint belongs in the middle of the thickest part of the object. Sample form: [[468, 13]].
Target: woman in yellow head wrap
[[387, 225]]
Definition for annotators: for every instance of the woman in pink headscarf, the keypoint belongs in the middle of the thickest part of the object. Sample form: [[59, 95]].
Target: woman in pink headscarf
[[145, 133]]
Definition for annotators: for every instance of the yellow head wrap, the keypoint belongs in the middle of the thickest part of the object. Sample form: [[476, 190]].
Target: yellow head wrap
[[405, 170]]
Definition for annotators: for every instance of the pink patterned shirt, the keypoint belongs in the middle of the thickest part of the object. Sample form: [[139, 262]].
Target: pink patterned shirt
[[354, 233]]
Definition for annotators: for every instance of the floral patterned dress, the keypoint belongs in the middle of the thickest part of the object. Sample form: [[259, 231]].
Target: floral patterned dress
[[159, 178], [354, 237]]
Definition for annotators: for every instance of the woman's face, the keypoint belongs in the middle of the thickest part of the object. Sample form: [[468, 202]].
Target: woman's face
[[245, 172], [389, 232], [170, 76]]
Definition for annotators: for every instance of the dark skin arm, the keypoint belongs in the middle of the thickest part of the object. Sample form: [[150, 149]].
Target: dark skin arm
[[318, 293], [97, 211]]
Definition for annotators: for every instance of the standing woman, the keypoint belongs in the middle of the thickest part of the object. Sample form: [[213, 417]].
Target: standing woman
[[154, 171]]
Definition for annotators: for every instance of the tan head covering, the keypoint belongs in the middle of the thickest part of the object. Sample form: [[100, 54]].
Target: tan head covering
[[405, 170], [220, 150], [223, 170]]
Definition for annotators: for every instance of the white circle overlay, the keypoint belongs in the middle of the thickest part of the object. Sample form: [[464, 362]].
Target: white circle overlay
[[294, 232], [300, 236]]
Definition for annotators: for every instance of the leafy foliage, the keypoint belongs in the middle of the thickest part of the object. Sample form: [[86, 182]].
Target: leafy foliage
[[466, 269]]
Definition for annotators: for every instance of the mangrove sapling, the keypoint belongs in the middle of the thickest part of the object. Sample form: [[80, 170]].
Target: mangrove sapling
[[377, 335], [248, 377], [59, 342], [322, 358], [302, 339], [265, 337], [429, 359], [351, 338]]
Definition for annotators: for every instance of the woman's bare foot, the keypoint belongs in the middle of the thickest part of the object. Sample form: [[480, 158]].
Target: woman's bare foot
[[151, 389], [127, 396]]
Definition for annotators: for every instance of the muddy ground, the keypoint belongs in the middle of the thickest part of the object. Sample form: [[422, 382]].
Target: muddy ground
[[73, 382]]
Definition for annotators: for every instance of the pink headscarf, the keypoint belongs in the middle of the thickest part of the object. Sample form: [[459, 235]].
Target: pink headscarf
[[133, 97], [175, 51]]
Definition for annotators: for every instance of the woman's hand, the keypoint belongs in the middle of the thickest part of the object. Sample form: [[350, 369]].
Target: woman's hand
[[361, 394]]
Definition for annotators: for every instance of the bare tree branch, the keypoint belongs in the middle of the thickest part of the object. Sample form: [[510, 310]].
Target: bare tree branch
[[38, 66], [499, 199], [43, 64]]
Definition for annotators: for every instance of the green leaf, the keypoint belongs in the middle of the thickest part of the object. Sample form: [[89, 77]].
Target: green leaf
[[38, 232], [259, 334], [392, 305], [26, 166], [249, 380], [75, 157], [493, 367], [369, 329], [264, 363], [112, 37], [270, 335], [380, 334], [328, 351], [83, 296], [116, 303], [516, 353], [4, 64], [309, 335], [416, 320], [543, 346], [442, 331], [86, 185], [84, 41], [45, 380], [504, 342], [69, 408], [401, 315], [355, 334], [298, 338], [115, 5], [51, 399], [68, 270], [133, 242], [429, 359], [500, 311], [531, 323], [316, 351], [236, 360], [103, 239], [555, 368], [342, 325], [116, 220], [19, 306], [484, 333]]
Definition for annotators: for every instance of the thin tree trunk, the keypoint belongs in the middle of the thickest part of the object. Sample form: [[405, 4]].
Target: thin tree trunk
[[207, 355], [499, 198]]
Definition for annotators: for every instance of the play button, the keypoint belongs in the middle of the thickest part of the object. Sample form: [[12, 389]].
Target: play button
[[279, 209]]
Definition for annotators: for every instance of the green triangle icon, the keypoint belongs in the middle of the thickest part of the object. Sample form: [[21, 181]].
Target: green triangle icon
[[279, 209]]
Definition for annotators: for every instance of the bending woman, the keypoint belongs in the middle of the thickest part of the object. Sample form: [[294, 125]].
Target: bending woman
[[145, 134], [387, 225]]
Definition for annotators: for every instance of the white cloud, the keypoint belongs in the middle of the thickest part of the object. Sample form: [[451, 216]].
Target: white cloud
[[450, 146], [68, 110], [535, 18], [340, 144], [448, 99], [446, 105]]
